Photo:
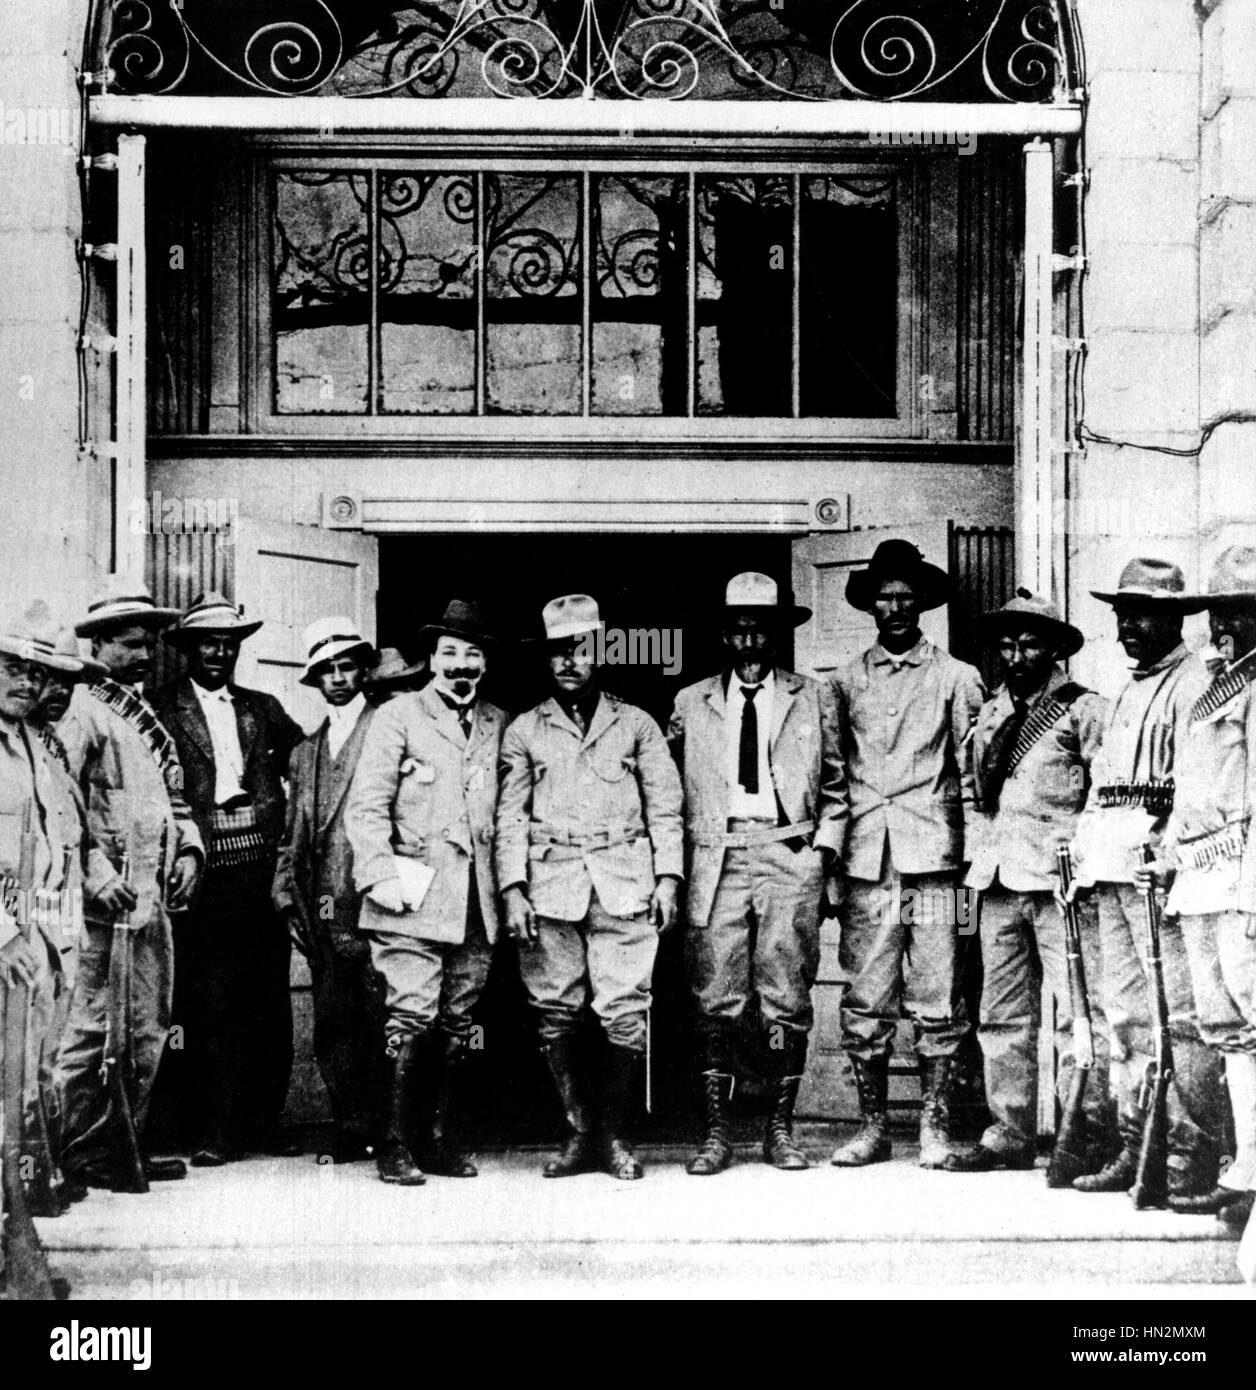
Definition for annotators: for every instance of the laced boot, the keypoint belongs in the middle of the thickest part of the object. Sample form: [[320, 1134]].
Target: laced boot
[[872, 1143], [617, 1156], [442, 1154], [1119, 1175], [576, 1155], [394, 1161], [779, 1148], [935, 1111], [715, 1152]]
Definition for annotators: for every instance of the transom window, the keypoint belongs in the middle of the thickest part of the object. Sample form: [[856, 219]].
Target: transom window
[[396, 290]]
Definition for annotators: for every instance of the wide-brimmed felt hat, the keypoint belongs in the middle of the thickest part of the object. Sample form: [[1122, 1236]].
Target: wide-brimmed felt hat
[[211, 613], [759, 595], [1027, 610], [1233, 577], [393, 667], [1148, 580], [898, 559], [460, 619], [32, 634], [123, 601], [568, 616], [327, 638]]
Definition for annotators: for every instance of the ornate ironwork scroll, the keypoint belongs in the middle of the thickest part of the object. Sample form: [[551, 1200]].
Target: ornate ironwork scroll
[[809, 50]]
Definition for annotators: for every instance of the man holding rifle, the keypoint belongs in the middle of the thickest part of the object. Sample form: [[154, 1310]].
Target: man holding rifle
[[1211, 855], [1030, 753], [1128, 805]]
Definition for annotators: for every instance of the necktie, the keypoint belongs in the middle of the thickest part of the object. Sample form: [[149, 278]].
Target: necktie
[[748, 748], [464, 718]]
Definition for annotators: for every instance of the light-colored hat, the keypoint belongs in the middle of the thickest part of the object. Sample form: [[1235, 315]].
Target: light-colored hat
[[1233, 576], [123, 601], [327, 638], [33, 635], [751, 592], [570, 616], [1028, 610], [212, 612], [1155, 581], [898, 559], [393, 667]]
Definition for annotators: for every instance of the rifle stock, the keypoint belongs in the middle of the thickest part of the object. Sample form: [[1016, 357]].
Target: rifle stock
[[1069, 1157], [118, 1065], [1151, 1184]]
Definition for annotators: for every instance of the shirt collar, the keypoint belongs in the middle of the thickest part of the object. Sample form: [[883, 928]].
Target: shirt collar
[[347, 714], [914, 656], [1141, 673], [223, 693], [734, 686], [453, 701]]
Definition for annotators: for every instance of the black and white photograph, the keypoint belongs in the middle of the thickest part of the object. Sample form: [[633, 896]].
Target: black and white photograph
[[627, 655]]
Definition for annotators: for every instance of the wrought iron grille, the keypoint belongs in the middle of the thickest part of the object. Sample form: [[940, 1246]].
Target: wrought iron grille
[[810, 50]]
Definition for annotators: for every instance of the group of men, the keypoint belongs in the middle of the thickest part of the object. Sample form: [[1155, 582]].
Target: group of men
[[394, 844]]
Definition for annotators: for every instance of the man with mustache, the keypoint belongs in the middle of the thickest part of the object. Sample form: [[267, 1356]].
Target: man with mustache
[[424, 791], [1132, 793]]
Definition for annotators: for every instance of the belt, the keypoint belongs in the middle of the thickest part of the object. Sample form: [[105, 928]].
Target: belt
[[745, 839], [1201, 851], [591, 839], [1155, 797]]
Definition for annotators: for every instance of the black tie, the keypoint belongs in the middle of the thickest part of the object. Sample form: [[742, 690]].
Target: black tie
[[464, 718], [748, 748]]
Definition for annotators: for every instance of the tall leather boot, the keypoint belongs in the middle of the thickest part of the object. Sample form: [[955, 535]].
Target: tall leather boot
[[779, 1148], [1119, 1175], [715, 1152], [616, 1153], [441, 1153], [935, 1111], [394, 1160], [872, 1143], [577, 1154]]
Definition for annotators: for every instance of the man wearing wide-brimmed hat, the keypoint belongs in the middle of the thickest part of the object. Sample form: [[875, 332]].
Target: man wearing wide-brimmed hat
[[41, 913], [1030, 753], [765, 807], [1132, 792], [314, 890], [424, 792], [906, 708], [232, 998], [1210, 849], [393, 675], [589, 857], [128, 768]]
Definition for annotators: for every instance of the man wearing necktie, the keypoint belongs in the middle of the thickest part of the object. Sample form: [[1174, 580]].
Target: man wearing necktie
[[765, 812], [425, 790]]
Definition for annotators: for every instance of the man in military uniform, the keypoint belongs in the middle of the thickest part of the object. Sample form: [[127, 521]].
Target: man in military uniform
[[906, 708], [1030, 753], [1210, 842], [1131, 795], [315, 893], [589, 857], [424, 791], [765, 808]]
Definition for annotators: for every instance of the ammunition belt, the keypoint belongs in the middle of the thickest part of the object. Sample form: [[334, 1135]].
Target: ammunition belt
[[1202, 851], [1154, 796], [234, 839]]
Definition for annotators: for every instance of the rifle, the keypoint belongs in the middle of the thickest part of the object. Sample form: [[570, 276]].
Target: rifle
[[1151, 1183], [26, 1272], [117, 1069], [1069, 1158]]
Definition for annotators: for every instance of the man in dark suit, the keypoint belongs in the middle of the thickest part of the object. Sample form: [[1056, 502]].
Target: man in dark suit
[[315, 894], [232, 953]]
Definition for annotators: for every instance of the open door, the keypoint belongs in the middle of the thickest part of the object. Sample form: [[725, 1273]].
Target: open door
[[289, 575]]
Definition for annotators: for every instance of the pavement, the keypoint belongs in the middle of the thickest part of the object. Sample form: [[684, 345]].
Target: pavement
[[298, 1228]]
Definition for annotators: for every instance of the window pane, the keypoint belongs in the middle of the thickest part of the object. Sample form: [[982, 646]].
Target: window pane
[[849, 298], [745, 296], [427, 277], [320, 301], [640, 318], [533, 306]]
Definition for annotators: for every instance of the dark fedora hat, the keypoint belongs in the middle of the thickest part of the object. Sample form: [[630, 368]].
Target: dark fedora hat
[[898, 559], [460, 619]]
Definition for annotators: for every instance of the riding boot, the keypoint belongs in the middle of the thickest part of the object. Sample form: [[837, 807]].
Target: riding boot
[[616, 1153], [394, 1161], [576, 1155], [441, 1152], [1119, 1175], [935, 1111], [779, 1148], [872, 1143]]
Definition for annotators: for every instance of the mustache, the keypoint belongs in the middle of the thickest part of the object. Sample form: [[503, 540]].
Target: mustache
[[460, 673]]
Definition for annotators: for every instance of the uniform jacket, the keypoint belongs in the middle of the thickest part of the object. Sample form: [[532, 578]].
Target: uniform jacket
[[804, 753], [267, 737], [129, 808], [423, 790], [315, 865], [578, 812], [904, 722], [1041, 799]]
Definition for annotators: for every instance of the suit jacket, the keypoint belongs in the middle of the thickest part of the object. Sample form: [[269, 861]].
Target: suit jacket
[[267, 737], [563, 790], [424, 791], [314, 871], [804, 753]]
